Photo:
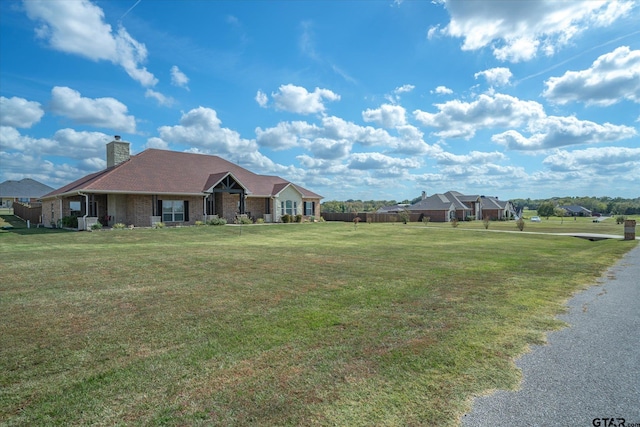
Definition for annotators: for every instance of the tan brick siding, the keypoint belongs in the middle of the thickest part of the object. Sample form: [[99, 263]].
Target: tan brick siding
[[256, 207], [137, 210], [229, 206]]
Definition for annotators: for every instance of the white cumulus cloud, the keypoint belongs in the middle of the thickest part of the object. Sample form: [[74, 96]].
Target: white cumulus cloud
[[79, 28], [612, 77], [65, 143], [178, 78], [473, 158], [19, 113], [517, 32], [367, 161], [600, 157], [553, 132], [200, 128], [262, 99], [457, 119], [296, 99], [498, 76], [387, 115], [101, 112], [162, 99], [442, 90]]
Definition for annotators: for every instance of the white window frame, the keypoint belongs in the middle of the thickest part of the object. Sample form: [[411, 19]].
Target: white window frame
[[308, 208], [289, 207], [173, 211], [75, 208]]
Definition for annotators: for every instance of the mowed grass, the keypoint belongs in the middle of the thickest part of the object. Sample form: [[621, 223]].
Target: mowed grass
[[548, 225], [295, 324]]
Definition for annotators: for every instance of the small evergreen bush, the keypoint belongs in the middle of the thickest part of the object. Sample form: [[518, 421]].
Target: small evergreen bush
[[403, 216], [244, 220], [70, 222], [217, 221], [96, 226], [286, 218]]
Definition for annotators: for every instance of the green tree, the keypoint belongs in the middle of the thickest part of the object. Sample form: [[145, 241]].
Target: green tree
[[546, 209], [403, 215], [561, 212]]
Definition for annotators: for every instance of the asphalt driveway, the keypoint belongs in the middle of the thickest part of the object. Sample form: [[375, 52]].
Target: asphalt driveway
[[587, 372]]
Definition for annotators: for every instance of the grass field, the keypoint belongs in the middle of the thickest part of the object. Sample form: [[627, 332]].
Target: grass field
[[549, 225], [294, 324]]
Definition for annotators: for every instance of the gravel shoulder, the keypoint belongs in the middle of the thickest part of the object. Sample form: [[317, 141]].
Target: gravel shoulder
[[586, 371]]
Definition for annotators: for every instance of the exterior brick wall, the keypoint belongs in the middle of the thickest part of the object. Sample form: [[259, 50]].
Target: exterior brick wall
[[137, 210], [230, 206], [256, 207], [316, 212], [101, 200], [435, 216], [51, 212], [492, 214]]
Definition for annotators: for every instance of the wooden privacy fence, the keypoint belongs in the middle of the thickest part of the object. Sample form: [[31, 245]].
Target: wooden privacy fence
[[31, 213], [367, 217]]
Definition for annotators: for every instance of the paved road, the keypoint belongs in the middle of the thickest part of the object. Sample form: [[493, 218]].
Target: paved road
[[586, 371]]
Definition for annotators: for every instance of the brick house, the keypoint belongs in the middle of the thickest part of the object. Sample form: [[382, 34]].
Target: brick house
[[176, 188], [452, 204], [26, 191], [493, 208], [575, 210], [444, 207]]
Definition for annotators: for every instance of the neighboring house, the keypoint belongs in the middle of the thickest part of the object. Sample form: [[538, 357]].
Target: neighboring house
[[575, 210], [443, 207], [452, 204], [493, 208], [26, 190], [176, 188]]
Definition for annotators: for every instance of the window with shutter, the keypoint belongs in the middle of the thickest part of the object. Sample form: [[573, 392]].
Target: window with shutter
[[174, 210]]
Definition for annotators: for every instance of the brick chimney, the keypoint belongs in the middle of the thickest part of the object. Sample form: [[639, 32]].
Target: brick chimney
[[117, 152]]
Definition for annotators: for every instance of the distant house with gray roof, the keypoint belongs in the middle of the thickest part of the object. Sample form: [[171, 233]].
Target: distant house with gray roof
[[26, 190], [575, 210], [493, 208], [453, 204], [445, 207]]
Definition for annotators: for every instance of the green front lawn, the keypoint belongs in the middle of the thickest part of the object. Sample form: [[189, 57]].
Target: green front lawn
[[294, 324], [548, 225]]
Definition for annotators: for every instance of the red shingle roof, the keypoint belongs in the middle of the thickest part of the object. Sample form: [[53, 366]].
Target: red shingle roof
[[156, 171]]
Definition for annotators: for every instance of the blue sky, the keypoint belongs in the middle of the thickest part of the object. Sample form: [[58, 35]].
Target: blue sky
[[351, 99]]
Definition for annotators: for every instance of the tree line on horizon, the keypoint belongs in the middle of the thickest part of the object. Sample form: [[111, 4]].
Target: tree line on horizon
[[601, 205]]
